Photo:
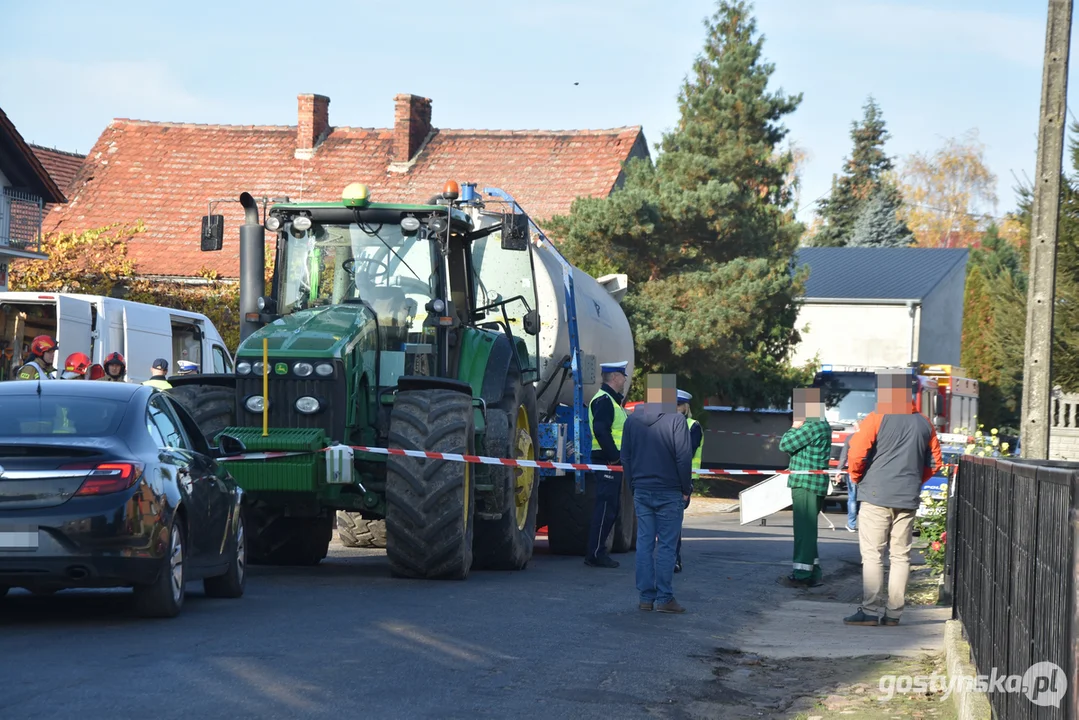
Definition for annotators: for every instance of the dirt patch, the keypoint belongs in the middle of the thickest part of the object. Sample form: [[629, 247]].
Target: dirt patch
[[752, 686]]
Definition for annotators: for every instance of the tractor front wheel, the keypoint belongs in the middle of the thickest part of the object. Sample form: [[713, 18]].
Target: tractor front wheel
[[430, 503]]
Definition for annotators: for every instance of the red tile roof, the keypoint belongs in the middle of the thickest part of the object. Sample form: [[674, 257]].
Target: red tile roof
[[61, 165], [166, 173]]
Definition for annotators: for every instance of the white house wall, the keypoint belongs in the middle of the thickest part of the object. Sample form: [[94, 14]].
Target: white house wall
[[940, 341], [861, 335]]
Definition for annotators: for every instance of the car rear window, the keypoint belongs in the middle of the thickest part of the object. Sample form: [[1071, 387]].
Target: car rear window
[[34, 415]]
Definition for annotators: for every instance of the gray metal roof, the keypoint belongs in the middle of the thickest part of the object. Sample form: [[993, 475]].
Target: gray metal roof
[[861, 273]]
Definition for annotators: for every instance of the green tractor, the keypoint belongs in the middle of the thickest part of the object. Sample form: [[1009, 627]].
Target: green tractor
[[385, 326]]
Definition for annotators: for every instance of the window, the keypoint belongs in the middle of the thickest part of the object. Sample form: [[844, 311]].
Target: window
[[57, 415], [167, 426], [222, 364], [187, 343]]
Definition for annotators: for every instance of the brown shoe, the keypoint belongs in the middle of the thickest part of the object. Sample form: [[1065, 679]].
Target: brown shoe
[[647, 607], [671, 606]]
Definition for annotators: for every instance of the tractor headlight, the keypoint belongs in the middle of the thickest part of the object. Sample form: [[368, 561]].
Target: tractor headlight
[[257, 367], [273, 223], [254, 404], [324, 369], [303, 369], [308, 405], [243, 368], [301, 223]]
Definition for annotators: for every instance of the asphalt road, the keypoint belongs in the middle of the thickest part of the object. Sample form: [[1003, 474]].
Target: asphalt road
[[559, 640]]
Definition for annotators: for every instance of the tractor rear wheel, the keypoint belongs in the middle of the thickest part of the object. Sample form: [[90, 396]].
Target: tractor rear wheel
[[356, 531], [625, 525], [279, 540], [430, 504], [506, 543], [213, 408]]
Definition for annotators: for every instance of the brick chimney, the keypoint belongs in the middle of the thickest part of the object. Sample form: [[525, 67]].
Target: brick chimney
[[313, 125], [411, 125]]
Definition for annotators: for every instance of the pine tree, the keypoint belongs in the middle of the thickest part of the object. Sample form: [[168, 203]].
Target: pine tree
[[879, 225], [862, 176], [707, 235]]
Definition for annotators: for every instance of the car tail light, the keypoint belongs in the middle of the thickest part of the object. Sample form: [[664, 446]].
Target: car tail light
[[109, 477]]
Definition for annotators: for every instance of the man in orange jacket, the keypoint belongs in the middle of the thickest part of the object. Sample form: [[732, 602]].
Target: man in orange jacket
[[894, 451]]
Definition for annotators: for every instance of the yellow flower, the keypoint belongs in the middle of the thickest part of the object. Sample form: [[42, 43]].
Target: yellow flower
[[970, 449], [1004, 447], [994, 431], [978, 434], [996, 441]]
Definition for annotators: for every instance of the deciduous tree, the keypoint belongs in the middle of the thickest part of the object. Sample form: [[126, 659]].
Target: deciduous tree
[[950, 195]]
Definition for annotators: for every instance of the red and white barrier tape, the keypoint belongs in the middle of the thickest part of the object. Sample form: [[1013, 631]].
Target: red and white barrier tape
[[482, 460]]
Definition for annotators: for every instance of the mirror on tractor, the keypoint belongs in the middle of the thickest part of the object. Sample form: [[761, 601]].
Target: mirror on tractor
[[515, 233], [531, 322], [228, 445], [213, 232]]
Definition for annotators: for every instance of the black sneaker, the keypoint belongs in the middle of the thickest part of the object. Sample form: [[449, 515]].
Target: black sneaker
[[792, 582], [862, 618], [603, 561]]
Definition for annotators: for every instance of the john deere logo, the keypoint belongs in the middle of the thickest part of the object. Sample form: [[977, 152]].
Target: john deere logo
[[281, 368]]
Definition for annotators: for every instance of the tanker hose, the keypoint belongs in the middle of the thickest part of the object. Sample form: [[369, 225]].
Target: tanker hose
[[547, 384]]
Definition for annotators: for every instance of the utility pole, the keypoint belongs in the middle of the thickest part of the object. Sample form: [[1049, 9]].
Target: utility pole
[[1038, 366]]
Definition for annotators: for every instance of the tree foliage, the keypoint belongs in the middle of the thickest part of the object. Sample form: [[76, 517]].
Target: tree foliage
[[864, 178], [949, 194], [879, 225], [707, 234]]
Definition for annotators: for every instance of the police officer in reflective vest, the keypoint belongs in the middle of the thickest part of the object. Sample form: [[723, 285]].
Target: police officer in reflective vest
[[606, 418], [696, 439], [158, 371]]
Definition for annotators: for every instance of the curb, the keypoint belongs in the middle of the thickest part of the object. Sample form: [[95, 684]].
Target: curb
[[969, 704]]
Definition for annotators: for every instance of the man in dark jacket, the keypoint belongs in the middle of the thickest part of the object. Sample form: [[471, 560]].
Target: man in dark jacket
[[657, 459]]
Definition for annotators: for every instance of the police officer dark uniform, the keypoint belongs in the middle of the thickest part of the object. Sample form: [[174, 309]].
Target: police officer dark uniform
[[606, 418], [696, 439]]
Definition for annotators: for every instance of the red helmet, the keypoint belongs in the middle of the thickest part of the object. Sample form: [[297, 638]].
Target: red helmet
[[115, 357], [77, 363], [96, 372], [41, 345]]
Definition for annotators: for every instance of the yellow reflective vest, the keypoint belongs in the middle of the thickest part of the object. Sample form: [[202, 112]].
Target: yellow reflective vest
[[159, 383], [616, 426], [696, 453]]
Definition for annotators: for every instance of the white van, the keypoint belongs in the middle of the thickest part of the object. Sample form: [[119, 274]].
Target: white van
[[98, 325]]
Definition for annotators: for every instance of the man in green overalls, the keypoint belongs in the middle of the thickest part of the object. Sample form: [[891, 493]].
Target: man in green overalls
[[696, 439], [809, 443], [605, 419]]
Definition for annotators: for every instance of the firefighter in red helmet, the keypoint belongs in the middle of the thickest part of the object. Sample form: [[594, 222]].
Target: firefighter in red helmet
[[42, 355], [75, 366], [115, 367]]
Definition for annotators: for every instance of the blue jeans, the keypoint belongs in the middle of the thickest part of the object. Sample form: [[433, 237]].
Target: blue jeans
[[659, 523], [852, 504]]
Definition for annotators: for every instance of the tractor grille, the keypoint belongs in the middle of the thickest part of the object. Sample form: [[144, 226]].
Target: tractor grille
[[284, 392]]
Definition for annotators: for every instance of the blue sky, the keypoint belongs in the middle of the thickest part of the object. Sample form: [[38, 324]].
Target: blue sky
[[938, 68]]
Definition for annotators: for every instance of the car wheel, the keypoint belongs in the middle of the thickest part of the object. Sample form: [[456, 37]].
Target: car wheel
[[231, 584], [165, 596]]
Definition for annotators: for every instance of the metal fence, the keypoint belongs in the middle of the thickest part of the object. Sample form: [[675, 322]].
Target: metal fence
[[20, 220], [1012, 555]]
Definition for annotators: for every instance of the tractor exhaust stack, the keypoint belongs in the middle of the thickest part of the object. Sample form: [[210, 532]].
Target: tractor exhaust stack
[[252, 266]]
